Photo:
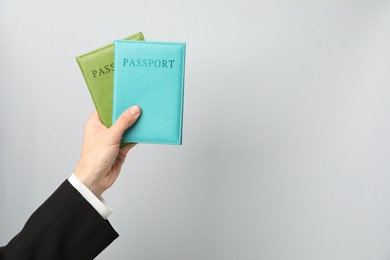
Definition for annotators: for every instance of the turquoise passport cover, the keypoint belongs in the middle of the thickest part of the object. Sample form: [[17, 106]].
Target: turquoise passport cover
[[151, 75]]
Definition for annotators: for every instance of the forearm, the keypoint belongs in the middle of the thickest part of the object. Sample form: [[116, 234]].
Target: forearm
[[65, 226]]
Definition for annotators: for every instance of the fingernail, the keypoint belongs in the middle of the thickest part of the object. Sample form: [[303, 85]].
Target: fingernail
[[135, 110]]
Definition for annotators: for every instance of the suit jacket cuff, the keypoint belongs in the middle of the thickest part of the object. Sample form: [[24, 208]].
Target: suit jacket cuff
[[99, 204]]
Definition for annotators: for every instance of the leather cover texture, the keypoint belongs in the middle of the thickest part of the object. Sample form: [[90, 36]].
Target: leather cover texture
[[97, 67], [151, 75]]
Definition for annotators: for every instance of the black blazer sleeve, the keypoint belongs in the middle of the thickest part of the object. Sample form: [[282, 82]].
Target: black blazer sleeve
[[65, 226]]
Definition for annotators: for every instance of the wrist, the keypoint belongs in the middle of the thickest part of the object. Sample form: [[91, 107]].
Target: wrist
[[91, 183]]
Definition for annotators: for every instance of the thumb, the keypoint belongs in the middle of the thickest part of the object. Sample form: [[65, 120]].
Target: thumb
[[127, 119]]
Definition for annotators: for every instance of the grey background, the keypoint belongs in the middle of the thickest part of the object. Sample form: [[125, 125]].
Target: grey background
[[286, 126]]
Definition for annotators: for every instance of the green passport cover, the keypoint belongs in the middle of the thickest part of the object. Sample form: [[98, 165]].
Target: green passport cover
[[151, 75], [97, 67]]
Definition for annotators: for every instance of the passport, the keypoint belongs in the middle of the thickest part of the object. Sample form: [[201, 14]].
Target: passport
[[97, 68], [150, 75]]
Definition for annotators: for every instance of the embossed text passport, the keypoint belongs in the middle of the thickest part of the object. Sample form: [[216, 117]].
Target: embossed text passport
[[151, 75], [98, 70]]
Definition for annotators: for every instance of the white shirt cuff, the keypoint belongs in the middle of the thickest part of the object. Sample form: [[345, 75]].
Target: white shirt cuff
[[99, 204]]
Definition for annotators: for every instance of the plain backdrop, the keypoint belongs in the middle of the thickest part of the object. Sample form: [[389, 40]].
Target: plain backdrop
[[286, 141]]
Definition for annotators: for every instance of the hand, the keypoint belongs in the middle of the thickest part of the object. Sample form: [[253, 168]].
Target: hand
[[101, 157]]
